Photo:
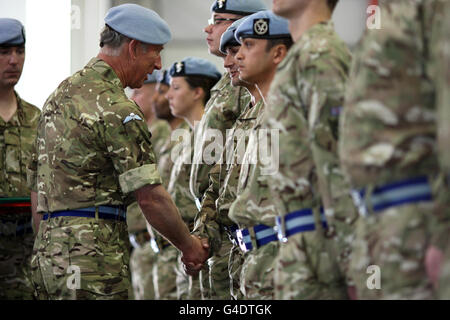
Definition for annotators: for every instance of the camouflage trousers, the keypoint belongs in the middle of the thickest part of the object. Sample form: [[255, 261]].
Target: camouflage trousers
[[305, 270], [188, 287], [219, 278], [78, 258], [257, 272], [165, 274], [234, 270], [15, 257], [388, 259], [141, 265]]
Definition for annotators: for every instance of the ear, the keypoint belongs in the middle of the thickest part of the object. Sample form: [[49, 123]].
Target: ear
[[199, 93], [279, 52], [133, 47]]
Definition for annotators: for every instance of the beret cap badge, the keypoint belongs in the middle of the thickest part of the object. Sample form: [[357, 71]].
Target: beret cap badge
[[261, 26]]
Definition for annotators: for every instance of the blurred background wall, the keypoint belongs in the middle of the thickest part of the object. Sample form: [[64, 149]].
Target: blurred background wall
[[63, 35]]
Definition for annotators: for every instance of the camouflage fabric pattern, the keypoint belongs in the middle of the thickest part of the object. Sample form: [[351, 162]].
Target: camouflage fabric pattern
[[160, 130], [221, 111], [388, 134], [142, 260], [308, 87], [17, 137], [15, 275], [221, 192], [165, 274], [95, 249], [93, 147], [441, 55], [251, 207], [178, 189]]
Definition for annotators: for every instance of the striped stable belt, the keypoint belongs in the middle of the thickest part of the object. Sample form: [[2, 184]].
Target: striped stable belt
[[104, 212], [393, 194], [255, 237], [297, 222]]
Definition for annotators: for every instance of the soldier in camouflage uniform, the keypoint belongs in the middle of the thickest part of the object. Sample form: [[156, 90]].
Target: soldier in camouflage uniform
[[192, 80], [387, 148], [163, 271], [221, 112], [252, 209], [142, 256], [314, 208], [259, 65], [18, 122], [93, 157]]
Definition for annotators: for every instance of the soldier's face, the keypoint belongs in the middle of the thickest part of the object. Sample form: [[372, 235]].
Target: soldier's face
[[11, 65], [215, 30], [143, 98], [160, 104], [148, 59], [182, 98], [254, 60], [231, 64], [289, 8]]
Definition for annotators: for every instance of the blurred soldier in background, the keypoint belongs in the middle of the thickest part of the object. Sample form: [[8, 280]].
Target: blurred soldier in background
[[18, 123]]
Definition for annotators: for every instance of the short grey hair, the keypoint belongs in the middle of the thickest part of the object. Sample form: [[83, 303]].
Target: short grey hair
[[112, 41]]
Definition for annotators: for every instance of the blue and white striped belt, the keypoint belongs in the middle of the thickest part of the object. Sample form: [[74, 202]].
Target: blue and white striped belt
[[296, 222], [393, 194], [255, 237], [104, 212]]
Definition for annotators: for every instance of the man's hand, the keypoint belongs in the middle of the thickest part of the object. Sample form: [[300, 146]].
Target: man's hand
[[433, 263], [195, 255]]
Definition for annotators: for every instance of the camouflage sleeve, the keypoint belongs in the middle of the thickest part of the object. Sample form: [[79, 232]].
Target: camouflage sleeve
[[207, 224], [32, 168], [127, 141], [330, 75]]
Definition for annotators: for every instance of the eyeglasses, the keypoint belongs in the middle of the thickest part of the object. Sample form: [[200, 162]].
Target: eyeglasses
[[217, 21]]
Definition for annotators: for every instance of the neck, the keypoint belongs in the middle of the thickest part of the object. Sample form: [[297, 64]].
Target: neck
[[316, 12], [264, 85], [254, 92], [150, 120], [175, 123], [116, 63], [8, 103], [195, 114]]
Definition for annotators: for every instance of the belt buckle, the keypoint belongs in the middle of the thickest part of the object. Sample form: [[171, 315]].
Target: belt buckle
[[240, 239], [280, 229]]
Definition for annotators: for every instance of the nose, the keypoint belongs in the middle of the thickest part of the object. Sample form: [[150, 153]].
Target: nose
[[13, 58], [227, 62], [239, 56], [208, 29], [158, 63], [168, 95]]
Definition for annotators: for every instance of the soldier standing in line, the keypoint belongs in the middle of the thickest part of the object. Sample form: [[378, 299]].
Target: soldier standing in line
[[191, 83], [18, 123], [315, 211], [93, 157], [222, 110], [388, 151]]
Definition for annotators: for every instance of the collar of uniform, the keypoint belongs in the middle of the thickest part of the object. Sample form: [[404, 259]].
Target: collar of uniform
[[18, 116], [223, 82], [105, 70]]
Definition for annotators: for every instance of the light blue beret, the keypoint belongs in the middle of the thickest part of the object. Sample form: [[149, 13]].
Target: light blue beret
[[12, 32], [263, 25], [228, 39], [139, 23], [163, 77], [241, 7], [152, 77], [194, 67]]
